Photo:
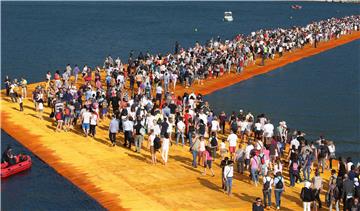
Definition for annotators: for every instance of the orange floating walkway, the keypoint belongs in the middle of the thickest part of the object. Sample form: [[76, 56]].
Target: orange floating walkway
[[121, 179]]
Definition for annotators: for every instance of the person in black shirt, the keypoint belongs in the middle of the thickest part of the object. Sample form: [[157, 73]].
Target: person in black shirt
[[257, 205], [201, 128], [164, 127], [172, 107]]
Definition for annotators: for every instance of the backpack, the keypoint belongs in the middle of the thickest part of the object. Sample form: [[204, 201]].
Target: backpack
[[266, 186], [279, 184], [157, 143], [213, 142]]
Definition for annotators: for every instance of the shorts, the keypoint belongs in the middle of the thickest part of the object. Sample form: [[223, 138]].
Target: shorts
[[208, 163], [67, 118], [152, 149], [86, 126], [232, 149]]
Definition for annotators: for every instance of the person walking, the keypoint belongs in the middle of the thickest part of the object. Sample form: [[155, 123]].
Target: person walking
[[180, 131], [279, 188], [333, 194], [128, 127], [20, 99], [151, 139], [254, 166], [139, 134], [317, 185], [348, 192], [267, 184], [94, 120], [165, 148], [240, 159], [228, 176], [85, 117], [113, 129], [194, 148], [307, 196], [208, 161], [232, 139], [213, 145]]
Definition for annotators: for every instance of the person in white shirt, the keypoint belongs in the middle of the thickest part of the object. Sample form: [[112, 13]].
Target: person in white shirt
[[257, 129], [232, 139], [228, 175], [180, 131], [86, 115], [159, 91], [165, 148], [295, 143], [174, 77], [268, 130], [93, 122], [215, 126], [332, 155], [267, 184], [128, 127], [243, 124]]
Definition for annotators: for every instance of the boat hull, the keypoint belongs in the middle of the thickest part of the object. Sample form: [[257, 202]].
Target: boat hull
[[7, 171]]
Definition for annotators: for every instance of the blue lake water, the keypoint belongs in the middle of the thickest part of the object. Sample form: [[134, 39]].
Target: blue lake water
[[318, 95], [42, 36], [40, 188]]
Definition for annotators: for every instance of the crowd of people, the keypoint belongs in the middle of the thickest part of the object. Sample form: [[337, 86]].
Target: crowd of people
[[139, 100]]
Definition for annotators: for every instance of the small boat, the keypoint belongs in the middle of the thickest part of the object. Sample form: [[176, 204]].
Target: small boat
[[228, 16], [296, 7], [23, 164]]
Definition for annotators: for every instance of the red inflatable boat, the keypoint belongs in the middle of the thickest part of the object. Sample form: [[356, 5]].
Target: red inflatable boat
[[23, 163]]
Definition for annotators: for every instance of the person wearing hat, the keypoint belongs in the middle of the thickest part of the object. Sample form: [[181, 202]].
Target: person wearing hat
[[307, 195]]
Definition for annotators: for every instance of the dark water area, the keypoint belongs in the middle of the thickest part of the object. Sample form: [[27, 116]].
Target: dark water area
[[40, 188], [45, 36], [319, 95]]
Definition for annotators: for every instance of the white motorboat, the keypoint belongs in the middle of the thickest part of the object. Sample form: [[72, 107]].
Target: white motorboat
[[228, 16]]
